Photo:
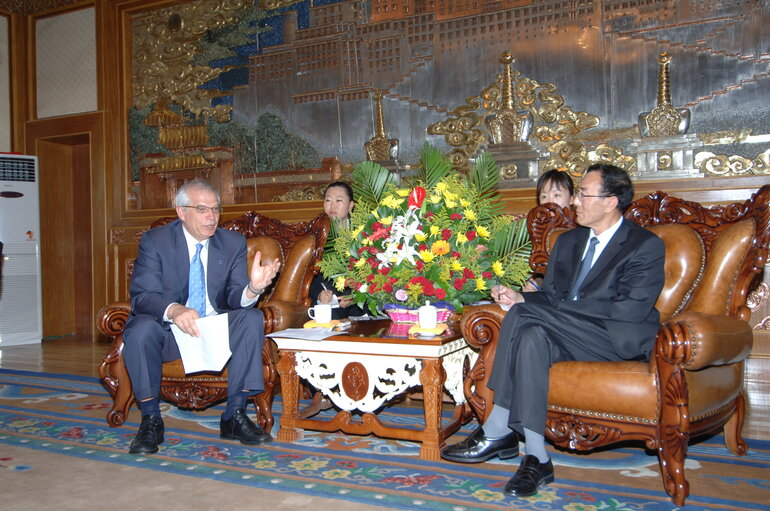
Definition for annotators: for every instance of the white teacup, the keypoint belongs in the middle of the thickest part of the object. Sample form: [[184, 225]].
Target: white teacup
[[427, 317], [321, 313]]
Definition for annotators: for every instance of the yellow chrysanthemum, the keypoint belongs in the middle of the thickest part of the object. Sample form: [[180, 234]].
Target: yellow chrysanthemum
[[456, 266], [339, 284], [376, 214], [465, 203], [470, 214], [441, 186], [482, 231], [420, 236], [440, 247], [427, 255], [360, 263], [390, 202], [450, 196], [387, 220], [497, 268], [403, 192], [435, 229], [450, 203], [435, 199], [366, 242], [461, 238], [480, 284]]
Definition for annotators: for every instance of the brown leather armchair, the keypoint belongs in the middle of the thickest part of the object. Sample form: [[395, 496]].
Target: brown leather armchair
[[299, 247], [693, 383]]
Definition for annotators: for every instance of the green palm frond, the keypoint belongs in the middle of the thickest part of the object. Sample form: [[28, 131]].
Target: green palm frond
[[512, 239], [435, 165], [370, 180], [484, 175]]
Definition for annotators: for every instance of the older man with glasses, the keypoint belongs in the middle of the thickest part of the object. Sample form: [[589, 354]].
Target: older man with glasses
[[597, 303], [185, 270]]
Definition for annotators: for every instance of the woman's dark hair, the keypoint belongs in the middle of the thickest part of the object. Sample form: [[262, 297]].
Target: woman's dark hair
[[615, 183], [558, 178], [343, 185]]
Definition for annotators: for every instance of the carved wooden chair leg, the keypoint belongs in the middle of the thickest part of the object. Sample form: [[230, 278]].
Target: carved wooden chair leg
[[733, 427]]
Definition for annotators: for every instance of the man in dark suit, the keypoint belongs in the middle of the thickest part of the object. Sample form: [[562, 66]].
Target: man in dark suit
[[597, 303], [185, 270]]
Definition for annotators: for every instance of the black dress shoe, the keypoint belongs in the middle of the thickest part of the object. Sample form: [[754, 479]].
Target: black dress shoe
[[240, 427], [531, 475], [477, 448], [149, 436]]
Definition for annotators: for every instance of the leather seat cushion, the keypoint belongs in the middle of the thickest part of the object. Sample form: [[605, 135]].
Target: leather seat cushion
[[617, 388]]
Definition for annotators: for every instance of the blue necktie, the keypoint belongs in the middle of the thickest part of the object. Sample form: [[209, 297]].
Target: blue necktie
[[585, 266], [196, 298]]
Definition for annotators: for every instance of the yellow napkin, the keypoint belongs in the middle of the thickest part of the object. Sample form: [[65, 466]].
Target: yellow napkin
[[312, 324], [435, 331]]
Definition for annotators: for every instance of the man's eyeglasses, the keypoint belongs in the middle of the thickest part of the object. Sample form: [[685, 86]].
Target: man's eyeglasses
[[581, 195], [205, 209]]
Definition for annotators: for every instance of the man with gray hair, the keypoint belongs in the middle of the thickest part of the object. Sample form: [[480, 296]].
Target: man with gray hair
[[185, 270]]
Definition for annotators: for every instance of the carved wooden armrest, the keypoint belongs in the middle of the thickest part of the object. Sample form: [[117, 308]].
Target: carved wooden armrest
[[280, 315], [111, 319], [481, 323], [695, 340]]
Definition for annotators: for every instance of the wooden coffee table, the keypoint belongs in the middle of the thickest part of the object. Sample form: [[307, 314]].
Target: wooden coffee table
[[365, 368]]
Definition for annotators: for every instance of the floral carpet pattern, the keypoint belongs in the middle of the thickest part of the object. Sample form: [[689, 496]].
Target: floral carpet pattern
[[65, 414]]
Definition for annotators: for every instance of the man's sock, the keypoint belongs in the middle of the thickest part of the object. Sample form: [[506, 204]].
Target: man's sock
[[234, 403], [535, 445], [496, 425], [150, 407]]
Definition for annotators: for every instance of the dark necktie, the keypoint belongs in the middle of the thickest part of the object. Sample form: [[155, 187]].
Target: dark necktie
[[196, 298], [585, 266]]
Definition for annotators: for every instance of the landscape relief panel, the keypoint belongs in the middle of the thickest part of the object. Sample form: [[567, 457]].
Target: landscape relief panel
[[272, 99]]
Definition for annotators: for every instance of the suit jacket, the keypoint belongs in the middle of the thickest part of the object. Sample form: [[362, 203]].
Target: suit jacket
[[162, 268], [620, 290]]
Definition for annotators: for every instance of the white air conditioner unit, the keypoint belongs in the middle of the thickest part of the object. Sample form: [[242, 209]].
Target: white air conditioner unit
[[21, 316]]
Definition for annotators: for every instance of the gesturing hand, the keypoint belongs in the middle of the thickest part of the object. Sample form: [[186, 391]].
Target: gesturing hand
[[262, 274]]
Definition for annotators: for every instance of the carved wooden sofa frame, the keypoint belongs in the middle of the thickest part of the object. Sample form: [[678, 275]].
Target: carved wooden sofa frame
[[299, 247], [693, 384]]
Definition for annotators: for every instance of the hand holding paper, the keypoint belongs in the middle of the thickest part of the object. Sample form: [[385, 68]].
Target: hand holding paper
[[208, 352]]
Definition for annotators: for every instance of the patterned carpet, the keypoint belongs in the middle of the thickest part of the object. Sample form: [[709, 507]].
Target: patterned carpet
[[64, 415]]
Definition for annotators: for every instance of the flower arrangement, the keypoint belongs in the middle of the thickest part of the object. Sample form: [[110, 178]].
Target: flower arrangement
[[439, 239]]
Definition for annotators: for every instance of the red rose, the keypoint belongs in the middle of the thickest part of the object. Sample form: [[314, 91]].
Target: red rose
[[428, 289], [384, 270], [440, 293], [429, 215], [459, 283], [487, 275], [370, 277], [446, 234], [471, 235], [456, 216], [468, 274], [419, 265], [416, 197], [373, 250], [387, 287], [455, 254], [373, 288]]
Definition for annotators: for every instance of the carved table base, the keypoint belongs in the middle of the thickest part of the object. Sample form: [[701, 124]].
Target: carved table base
[[360, 375]]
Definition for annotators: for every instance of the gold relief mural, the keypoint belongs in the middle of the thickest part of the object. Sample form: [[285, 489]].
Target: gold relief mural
[[723, 165], [502, 112], [163, 51]]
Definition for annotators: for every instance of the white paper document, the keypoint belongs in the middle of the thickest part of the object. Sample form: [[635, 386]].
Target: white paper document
[[306, 334], [210, 351]]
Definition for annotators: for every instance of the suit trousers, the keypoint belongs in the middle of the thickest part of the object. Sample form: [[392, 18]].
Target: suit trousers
[[147, 344], [532, 338]]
